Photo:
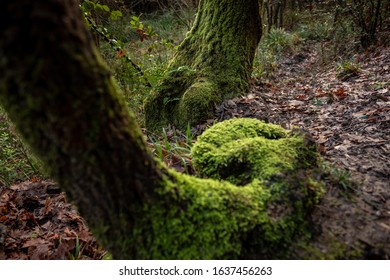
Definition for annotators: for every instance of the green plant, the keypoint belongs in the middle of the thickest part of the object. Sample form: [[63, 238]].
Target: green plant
[[150, 51], [77, 251], [271, 48], [16, 162], [347, 69], [318, 30], [92, 8], [174, 148], [119, 35], [340, 177]]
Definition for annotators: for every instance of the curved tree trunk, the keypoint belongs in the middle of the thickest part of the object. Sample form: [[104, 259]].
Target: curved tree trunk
[[213, 63], [57, 90], [65, 104]]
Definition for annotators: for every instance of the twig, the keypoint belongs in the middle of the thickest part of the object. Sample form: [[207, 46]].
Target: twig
[[113, 43]]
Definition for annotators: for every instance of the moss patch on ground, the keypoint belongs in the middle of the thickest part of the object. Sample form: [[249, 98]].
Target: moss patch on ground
[[240, 150]]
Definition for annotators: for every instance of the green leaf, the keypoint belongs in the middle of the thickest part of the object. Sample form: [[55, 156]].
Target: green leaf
[[115, 15], [104, 8], [88, 6]]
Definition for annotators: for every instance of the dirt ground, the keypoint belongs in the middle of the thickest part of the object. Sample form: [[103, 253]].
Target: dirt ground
[[346, 112]]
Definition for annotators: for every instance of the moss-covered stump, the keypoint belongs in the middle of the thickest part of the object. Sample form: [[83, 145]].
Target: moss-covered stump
[[213, 63], [261, 215]]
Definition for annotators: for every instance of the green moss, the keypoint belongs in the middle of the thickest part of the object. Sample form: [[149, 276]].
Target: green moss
[[197, 103], [216, 219], [210, 224], [162, 106], [241, 150]]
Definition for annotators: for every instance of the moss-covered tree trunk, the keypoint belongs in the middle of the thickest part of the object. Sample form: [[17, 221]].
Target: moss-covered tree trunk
[[213, 63], [57, 90], [64, 102]]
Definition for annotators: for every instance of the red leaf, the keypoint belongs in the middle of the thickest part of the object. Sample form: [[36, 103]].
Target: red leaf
[[120, 54]]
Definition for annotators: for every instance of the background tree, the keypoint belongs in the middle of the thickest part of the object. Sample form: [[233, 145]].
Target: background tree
[[65, 103], [213, 63], [367, 17]]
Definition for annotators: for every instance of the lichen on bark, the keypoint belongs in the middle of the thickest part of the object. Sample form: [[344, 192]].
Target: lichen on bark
[[214, 62]]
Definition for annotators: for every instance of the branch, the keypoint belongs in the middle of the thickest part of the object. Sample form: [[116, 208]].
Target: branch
[[114, 43]]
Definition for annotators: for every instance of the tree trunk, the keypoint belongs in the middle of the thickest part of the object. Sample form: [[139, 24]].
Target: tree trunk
[[213, 63], [62, 97]]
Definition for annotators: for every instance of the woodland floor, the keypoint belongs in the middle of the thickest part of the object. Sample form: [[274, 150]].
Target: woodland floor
[[348, 114]]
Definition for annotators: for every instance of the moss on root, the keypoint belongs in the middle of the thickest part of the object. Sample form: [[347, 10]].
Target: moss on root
[[213, 63], [182, 99], [218, 219]]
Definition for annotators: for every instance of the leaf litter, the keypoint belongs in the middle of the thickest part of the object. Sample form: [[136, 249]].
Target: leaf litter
[[36, 222]]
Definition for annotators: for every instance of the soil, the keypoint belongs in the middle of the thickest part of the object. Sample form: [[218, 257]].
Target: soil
[[345, 109]]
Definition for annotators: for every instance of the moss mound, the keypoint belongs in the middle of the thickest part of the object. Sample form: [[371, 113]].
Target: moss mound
[[240, 150], [181, 100], [260, 213]]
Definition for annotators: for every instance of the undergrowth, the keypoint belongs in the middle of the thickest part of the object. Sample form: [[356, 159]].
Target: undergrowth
[[150, 41], [173, 147], [334, 39], [16, 162], [272, 47]]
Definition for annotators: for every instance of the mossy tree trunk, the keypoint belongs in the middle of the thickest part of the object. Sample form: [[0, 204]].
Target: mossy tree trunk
[[62, 97], [65, 104], [213, 63]]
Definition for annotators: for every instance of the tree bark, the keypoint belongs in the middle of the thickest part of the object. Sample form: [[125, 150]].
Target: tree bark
[[213, 63], [62, 97]]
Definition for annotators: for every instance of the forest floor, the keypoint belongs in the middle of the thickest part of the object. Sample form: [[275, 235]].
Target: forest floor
[[345, 110]]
